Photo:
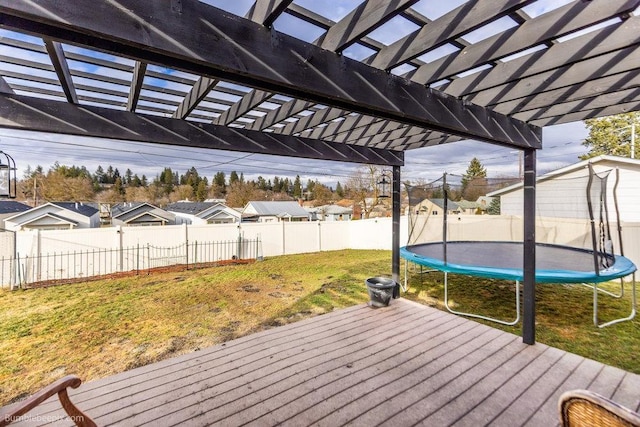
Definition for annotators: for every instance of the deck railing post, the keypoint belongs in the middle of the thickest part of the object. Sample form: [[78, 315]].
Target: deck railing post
[[529, 252]]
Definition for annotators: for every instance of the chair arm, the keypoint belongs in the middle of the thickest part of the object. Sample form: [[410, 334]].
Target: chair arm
[[14, 412]]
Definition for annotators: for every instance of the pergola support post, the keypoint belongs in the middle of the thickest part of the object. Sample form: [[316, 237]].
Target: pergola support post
[[395, 217], [529, 261]]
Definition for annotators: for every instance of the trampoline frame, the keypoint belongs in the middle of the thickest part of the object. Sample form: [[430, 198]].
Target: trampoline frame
[[459, 269]]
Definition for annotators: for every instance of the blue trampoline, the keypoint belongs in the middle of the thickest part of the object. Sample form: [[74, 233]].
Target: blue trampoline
[[554, 263], [500, 260], [503, 260]]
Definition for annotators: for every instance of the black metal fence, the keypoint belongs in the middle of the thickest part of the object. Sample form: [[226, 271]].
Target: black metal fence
[[73, 266]]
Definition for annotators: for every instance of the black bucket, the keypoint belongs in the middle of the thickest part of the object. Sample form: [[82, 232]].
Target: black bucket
[[381, 290]]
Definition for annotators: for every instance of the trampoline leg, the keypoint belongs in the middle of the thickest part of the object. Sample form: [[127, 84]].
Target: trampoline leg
[[477, 316], [611, 294], [623, 319], [406, 274]]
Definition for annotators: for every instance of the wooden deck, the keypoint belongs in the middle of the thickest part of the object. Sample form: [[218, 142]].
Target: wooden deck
[[403, 365]]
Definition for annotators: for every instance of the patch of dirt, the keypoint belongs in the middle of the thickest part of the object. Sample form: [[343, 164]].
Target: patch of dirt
[[248, 288], [279, 295]]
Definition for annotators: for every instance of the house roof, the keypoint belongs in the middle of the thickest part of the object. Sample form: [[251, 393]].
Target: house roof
[[58, 219], [11, 206], [612, 160], [192, 208], [129, 212], [279, 209], [451, 205], [78, 207], [466, 204], [331, 210]]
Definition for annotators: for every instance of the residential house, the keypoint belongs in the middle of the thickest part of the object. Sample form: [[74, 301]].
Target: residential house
[[467, 207], [484, 202], [562, 193], [140, 214], [436, 207], [55, 216], [10, 208], [274, 211], [330, 213], [215, 212]]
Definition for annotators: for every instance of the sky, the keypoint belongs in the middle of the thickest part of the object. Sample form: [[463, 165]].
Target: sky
[[562, 144]]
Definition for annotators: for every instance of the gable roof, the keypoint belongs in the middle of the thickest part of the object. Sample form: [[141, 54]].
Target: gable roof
[[59, 219], [279, 208], [78, 208], [130, 212]]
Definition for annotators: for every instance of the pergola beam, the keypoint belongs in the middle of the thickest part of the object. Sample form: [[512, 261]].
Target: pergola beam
[[241, 51], [36, 114]]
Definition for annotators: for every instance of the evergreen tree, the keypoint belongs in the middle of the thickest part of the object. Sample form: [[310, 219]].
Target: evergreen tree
[[297, 188], [108, 176], [128, 177], [494, 206], [98, 176], [233, 177], [474, 181], [612, 135], [339, 190]]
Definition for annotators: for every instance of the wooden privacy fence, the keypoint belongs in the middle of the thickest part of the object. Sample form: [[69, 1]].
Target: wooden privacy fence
[[71, 266]]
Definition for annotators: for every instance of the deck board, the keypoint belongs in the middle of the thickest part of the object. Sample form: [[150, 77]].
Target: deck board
[[405, 364]]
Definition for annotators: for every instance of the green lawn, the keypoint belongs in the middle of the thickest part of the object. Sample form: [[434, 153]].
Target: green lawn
[[100, 328]]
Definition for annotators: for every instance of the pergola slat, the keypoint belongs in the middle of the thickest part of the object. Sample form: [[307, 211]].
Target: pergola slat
[[243, 106], [368, 16], [286, 110], [571, 75], [595, 43], [616, 82], [461, 20], [561, 21], [4, 86], [198, 92], [29, 113], [136, 85], [610, 110], [56, 53], [593, 103], [241, 51], [267, 11]]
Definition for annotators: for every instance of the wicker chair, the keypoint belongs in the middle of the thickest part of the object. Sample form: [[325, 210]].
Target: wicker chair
[[582, 408], [17, 411]]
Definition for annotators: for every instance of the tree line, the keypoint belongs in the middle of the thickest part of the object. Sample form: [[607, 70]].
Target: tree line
[[109, 185]]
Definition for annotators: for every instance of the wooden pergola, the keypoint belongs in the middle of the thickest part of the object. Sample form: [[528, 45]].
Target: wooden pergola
[[185, 73]]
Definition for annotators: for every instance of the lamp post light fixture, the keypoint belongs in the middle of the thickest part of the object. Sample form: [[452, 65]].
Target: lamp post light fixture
[[8, 181], [384, 185]]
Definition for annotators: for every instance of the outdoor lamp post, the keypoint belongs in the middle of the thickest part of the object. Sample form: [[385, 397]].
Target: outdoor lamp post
[[7, 176]]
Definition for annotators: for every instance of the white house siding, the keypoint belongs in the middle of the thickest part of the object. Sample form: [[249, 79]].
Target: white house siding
[[565, 196]]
